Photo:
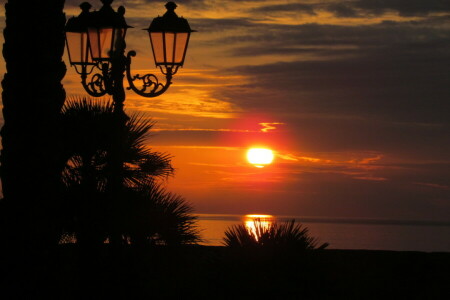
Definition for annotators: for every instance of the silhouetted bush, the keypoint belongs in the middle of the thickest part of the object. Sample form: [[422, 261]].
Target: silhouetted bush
[[275, 235]]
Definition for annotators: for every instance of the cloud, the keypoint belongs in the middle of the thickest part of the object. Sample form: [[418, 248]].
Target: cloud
[[370, 178], [290, 7], [393, 72], [275, 39], [343, 10], [269, 126], [206, 25], [368, 8], [404, 7], [433, 185], [203, 129], [393, 85], [290, 157]]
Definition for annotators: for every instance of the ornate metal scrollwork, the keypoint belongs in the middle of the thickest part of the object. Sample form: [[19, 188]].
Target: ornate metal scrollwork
[[150, 85], [96, 86], [100, 84]]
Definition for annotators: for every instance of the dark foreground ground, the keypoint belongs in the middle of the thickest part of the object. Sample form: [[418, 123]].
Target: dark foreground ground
[[219, 273]]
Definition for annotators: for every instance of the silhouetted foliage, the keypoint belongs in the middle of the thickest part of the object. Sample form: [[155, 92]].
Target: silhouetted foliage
[[148, 214], [275, 235], [87, 124], [156, 216]]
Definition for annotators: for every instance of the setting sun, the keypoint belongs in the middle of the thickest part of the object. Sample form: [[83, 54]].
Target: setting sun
[[259, 157]]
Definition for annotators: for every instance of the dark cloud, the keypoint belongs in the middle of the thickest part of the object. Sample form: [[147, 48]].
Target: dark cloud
[[404, 7], [394, 83], [351, 9], [342, 10], [408, 41], [282, 39], [220, 25], [291, 7], [286, 50], [129, 4]]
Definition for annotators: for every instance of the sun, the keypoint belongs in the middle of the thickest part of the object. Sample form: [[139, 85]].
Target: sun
[[260, 157]]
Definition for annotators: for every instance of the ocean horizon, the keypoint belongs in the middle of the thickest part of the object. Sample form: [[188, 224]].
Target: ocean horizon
[[348, 233]]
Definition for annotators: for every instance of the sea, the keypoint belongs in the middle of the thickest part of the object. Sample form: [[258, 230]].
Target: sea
[[357, 234]]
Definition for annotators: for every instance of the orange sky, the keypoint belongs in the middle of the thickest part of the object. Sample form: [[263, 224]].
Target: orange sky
[[351, 95]]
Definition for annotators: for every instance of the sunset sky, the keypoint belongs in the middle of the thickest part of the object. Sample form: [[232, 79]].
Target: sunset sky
[[353, 96]]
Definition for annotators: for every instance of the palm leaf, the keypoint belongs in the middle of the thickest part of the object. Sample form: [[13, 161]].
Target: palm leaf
[[285, 235]]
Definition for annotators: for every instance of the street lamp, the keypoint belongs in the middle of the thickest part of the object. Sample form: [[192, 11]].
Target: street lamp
[[96, 41], [96, 48]]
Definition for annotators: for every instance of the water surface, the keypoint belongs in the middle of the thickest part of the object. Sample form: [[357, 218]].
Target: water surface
[[370, 234]]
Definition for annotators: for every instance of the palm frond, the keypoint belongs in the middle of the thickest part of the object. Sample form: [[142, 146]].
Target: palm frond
[[158, 216], [88, 130], [138, 130], [276, 235]]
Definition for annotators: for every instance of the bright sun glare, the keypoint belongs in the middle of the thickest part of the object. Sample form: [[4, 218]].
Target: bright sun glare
[[256, 223], [259, 157]]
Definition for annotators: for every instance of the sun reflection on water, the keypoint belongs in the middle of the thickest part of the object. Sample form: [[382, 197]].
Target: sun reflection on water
[[263, 221]]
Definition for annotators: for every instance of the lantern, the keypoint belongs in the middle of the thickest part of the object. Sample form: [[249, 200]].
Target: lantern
[[106, 31], [169, 38], [77, 40]]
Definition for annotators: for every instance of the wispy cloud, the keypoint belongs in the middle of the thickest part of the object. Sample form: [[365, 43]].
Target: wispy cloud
[[433, 185], [203, 129], [370, 178], [201, 147], [269, 126]]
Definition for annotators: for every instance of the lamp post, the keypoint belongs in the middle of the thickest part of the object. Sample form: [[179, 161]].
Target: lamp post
[[96, 48]]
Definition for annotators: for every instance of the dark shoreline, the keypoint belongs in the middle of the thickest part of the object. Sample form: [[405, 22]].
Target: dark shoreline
[[215, 272]]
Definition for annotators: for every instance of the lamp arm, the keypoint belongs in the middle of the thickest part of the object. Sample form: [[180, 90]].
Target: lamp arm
[[95, 86], [150, 85]]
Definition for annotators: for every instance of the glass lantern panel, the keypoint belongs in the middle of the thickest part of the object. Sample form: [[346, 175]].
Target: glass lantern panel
[[77, 47], [169, 47], [101, 40], [156, 39], [181, 45]]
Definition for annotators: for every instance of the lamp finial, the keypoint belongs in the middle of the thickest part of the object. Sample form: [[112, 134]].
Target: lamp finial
[[171, 6], [107, 2], [85, 7]]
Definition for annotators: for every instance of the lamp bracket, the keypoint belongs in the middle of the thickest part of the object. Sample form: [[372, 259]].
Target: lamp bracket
[[101, 82], [150, 85], [95, 85]]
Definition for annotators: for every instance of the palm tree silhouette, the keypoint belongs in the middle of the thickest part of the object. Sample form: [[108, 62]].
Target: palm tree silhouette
[[32, 96], [88, 138]]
